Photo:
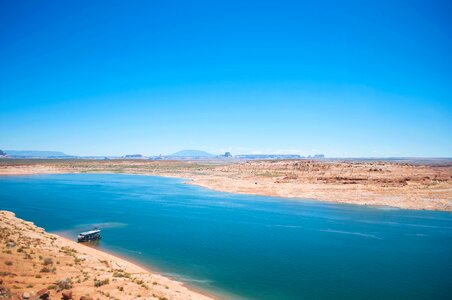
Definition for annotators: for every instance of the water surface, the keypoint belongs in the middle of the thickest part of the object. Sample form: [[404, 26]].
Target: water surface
[[244, 246]]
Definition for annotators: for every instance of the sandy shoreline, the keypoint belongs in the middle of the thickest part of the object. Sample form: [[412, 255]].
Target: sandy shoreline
[[32, 260], [378, 183], [137, 264]]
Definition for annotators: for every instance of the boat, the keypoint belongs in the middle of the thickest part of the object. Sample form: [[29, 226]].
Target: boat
[[87, 236]]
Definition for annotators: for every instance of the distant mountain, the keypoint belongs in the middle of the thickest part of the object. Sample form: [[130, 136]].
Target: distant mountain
[[268, 156], [36, 154], [134, 156], [192, 153]]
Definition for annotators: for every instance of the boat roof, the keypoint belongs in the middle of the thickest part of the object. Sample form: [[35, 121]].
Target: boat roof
[[90, 232]]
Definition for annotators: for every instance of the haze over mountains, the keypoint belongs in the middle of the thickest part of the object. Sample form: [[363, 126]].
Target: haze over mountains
[[189, 154], [36, 154], [59, 154], [192, 153]]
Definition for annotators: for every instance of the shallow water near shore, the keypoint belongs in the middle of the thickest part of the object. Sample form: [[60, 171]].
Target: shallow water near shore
[[246, 246]]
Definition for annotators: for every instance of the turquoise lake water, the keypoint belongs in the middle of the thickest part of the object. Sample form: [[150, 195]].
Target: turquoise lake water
[[242, 246]]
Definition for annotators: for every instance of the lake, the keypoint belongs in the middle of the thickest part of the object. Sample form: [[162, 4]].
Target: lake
[[245, 246]]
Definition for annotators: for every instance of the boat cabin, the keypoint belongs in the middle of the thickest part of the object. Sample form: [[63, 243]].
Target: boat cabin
[[89, 236]]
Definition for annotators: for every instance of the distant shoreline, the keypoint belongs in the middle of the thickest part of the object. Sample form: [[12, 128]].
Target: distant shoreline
[[394, 184]]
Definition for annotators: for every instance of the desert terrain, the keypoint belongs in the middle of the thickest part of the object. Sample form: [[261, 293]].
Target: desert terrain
[[420, 185]]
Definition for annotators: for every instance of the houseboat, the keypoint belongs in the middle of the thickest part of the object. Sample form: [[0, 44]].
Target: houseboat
[[87, 236]]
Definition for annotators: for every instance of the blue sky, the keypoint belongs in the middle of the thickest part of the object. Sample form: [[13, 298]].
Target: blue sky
[[343, 78]]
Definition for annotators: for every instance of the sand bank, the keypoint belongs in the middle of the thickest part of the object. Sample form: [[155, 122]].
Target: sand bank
[[32, 260]]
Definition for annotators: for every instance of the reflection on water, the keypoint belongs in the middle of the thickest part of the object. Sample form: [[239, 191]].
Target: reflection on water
[[92, 244], [87, 227]]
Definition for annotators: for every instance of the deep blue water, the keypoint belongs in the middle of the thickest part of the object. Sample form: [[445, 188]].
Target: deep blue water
[[245, 246]]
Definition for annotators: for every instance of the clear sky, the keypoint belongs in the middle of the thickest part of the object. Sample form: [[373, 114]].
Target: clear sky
[[343, 78]]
